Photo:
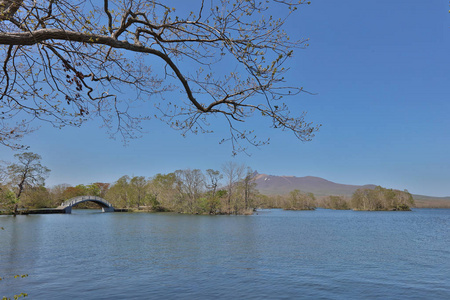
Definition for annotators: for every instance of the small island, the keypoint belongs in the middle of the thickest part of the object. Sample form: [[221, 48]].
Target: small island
[[367, 199]]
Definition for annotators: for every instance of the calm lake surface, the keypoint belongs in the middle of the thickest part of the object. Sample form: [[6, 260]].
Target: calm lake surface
[[275, 254]]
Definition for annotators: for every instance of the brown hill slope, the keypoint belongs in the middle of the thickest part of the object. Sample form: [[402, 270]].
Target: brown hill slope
[[279, 185], [434, 202]]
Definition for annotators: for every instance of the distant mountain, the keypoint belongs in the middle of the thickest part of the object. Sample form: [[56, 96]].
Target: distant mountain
[[282, 185], [428, 201], [279, 185]]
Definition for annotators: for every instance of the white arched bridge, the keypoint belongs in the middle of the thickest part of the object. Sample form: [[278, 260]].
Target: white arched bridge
[[67, 205]]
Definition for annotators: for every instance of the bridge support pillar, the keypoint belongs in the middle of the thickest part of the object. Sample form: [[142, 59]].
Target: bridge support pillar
[[68, 210], [107, 209]]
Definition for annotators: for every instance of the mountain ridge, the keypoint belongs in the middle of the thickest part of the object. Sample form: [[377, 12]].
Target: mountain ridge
[[281, 185]]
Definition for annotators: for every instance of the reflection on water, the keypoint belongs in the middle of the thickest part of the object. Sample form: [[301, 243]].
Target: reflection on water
[[275, 254]]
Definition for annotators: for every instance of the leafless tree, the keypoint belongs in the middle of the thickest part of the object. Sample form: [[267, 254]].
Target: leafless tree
[[214, 176], [191, 184], [249, 186], [3, 172], [233, 174], [65, 62]]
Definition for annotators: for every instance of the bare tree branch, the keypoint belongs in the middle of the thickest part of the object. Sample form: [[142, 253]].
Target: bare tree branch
[[66, 62]]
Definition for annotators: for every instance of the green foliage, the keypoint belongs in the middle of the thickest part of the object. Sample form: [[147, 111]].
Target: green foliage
[[8, 200], [336, 202], [154, 204], [209, 203], [300, 201], [37, 197], [272, 201], [27, 172], [202, 205], [26, 175], [15, 297], [93, 190], [184, 191], [117, 195], [163, 188], [138, 190], [70, 192], [8, 197], [221, 194], [381, 199]]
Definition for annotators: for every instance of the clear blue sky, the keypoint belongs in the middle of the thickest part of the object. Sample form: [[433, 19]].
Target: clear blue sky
[[381, 71]]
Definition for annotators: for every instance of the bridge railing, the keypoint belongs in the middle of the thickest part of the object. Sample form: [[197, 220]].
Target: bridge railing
[[79, 199]]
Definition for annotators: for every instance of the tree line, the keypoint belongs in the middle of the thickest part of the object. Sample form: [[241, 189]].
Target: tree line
[[188, 191], [376, 199], [231, 190]]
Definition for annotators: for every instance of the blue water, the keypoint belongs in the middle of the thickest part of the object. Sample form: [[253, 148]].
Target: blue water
[[275, 254]]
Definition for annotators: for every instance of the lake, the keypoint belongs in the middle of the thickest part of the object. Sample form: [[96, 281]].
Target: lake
[[274, 254]]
